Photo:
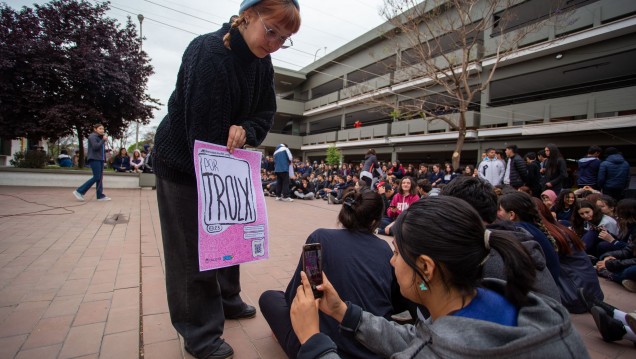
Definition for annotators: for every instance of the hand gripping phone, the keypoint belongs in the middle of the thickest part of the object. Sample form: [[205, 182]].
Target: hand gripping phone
[[312, 265]]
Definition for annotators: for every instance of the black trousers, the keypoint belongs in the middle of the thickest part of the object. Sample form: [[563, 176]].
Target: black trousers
[[198, 301], [275, 310], [282, 184]]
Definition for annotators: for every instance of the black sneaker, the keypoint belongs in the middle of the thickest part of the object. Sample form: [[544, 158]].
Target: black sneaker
[[590, 301], [247, 313], [225, 351], [611, 329]]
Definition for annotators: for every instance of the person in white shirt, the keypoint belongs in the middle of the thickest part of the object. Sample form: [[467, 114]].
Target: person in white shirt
[[491, 169]]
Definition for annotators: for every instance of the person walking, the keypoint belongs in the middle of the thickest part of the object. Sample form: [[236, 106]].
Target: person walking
[[96, 157], [224, 95]]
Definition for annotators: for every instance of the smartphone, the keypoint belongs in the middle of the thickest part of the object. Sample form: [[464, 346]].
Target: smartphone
[[312, 265]]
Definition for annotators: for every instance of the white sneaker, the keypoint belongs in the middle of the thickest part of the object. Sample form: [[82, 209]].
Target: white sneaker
[[278, 198], [78, 196], [103, 199], [287, 199], [629, 284]]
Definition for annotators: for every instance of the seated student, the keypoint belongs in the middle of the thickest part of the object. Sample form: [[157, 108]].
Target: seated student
[[320, 185], [576, 271], [564, 207], [437, 176], [136, 162], [619, 265], [357, 263], [64, 160], [480, 194], [148, 162], [449, 173], [438, 264], [519, 208], [386, 191], [607, 205], [549, 199], [594, 228], [405, 196], [337, 194], [424, 187], [121, 163], [305, 190], [612, 323]]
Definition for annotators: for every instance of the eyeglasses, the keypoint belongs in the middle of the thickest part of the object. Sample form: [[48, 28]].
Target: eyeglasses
[[271, 35]]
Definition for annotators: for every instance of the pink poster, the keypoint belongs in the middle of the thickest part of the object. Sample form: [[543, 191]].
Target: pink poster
[[232, 213]]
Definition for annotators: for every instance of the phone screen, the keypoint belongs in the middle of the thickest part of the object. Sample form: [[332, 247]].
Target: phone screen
[[312, 265]]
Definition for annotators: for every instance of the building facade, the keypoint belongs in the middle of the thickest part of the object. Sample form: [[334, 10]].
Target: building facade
[[571, 83]]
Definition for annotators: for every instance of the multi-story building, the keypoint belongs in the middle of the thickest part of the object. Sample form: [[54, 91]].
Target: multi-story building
[[573, 85]]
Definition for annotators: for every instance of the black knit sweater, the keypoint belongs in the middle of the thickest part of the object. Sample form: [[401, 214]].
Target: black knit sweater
[[216, 88]]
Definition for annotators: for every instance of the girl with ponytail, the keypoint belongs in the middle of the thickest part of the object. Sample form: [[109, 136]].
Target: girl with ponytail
[[519, 208], [438, 261]]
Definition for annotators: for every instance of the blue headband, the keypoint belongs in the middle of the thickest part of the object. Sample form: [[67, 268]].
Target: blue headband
[[249, 3]]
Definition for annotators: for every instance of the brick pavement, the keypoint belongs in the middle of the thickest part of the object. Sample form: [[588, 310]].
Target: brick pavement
[[72, 286]]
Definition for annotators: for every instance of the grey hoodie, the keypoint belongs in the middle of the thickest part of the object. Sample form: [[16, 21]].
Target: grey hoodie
[[494, 267], [544, 330]]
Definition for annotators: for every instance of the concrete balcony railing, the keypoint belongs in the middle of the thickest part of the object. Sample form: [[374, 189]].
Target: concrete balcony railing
[[421, 126], [320, 138], [290, 107], [363, 133]]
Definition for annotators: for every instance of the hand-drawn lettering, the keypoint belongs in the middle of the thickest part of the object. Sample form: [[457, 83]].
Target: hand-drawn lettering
[[232, 212]]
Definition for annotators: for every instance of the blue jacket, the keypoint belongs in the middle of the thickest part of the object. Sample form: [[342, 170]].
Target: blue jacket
[[95, 147], [282, 159], [614, 172], [588, 171]]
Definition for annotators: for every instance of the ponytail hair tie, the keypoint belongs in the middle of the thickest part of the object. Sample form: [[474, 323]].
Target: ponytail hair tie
[[487, 239], [349, 202]]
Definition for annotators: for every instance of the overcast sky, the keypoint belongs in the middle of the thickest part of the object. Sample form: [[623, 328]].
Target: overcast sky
[[325, 24]]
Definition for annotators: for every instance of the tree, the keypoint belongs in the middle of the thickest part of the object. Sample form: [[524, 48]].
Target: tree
[[443, 42], [65, 66], [333, 155]]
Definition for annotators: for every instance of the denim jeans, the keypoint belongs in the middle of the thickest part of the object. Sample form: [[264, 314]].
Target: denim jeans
[[98, 177], [198, 301], [627, 273]]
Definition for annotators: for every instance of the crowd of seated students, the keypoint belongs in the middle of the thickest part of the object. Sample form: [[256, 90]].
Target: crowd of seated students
[[139, 162], [573, 235]]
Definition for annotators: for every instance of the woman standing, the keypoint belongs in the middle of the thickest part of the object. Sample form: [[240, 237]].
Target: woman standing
[[555, 171], [224, 95]]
